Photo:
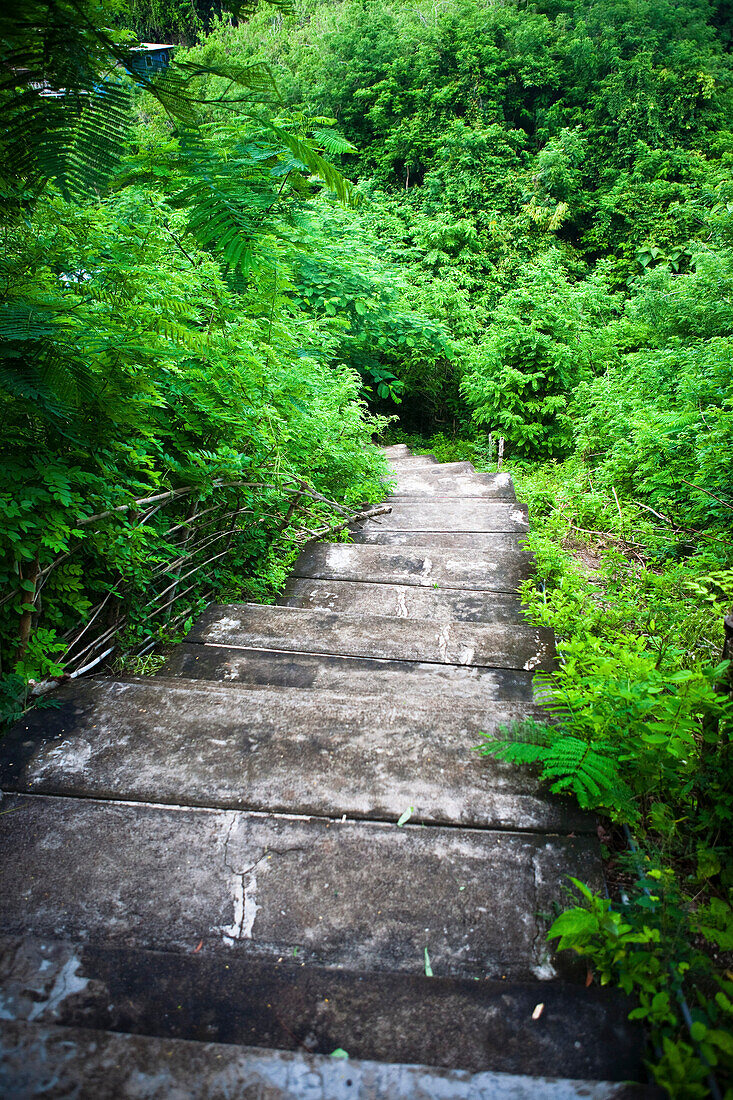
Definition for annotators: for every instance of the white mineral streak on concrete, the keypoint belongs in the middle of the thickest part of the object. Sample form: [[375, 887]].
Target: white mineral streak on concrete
[[544, 971], [427, 567], [339, 555], [533, 662], [443, 640], [233, 931], [66, 983], [73, 755], [466, 655], [227, 624], [251, 908], [402, 612], [519, 517]]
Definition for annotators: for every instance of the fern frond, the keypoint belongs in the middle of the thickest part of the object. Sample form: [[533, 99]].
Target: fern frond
[[303, 151], [333, 142], [585, 769]]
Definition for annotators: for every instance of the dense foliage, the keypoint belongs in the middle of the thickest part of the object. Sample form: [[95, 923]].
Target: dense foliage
[[539, 247], [153, 345]]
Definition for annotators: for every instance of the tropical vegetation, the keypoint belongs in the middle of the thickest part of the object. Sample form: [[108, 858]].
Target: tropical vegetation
[[444, 223]]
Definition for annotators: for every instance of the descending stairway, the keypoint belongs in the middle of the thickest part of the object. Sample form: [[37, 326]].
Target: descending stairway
[[205, 891]]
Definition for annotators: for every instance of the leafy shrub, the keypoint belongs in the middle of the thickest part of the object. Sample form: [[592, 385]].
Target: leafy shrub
[[542, 339]]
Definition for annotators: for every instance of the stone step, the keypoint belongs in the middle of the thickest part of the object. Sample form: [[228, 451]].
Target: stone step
[[440, 481], [364, 675], [371, 533], [396, 450], [429, 567], [38, 1060], [440, 469], [476, 494], [403, 601], [286, 750], [447, 468], [460, 515], [410, 462], [462, 1024], [491, 645], [348, 894]]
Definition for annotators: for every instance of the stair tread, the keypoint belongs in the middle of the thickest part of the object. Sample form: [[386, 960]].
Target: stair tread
[[370, 532], [411, 462], [361, 895], [458, 515], [494, 645], [407, 601], [50, 1061], [469, 1025], [485, 570], [200, 743], [453, 479], [380, 676]]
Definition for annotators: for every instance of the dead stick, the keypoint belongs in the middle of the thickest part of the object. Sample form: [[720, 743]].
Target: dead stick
[[357, 517], [701, 490]]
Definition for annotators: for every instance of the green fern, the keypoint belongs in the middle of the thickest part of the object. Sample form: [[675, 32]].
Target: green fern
[[585, 769]]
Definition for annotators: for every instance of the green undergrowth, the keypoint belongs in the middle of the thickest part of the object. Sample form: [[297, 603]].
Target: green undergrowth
[[642, 721]]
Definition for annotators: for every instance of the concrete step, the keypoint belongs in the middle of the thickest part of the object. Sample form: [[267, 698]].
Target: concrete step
[[463, 684], [472, 493], [372, 534], [453, 479], [492, 645], [417, 564], [403, 601], [462, 1024], [57, 1063], [285, 750], [348, 894], [410, 462], [461, 467], [460, 515], [395, 450]]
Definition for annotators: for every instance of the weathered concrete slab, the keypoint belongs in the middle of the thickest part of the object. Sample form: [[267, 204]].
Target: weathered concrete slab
[[396, 450], [440, 469], [452, 479], [372, 534], [408, 462], [403, 601], [358, 895], [464, 684], [57, 1063], [493, 645], [465, 494], [487, 1025], [461, 515], [206, 744], [483, 570]]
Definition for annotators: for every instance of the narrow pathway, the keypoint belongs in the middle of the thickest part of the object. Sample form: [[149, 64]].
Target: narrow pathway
[[205, 890]]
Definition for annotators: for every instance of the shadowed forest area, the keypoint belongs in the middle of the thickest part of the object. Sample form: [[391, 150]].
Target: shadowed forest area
[[440, 223]]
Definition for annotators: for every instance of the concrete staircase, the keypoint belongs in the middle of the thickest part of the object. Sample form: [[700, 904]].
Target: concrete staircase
[[205, 889]]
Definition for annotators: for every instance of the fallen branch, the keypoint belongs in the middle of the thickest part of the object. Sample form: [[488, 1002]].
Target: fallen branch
[[356, 517], [707, 491]]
